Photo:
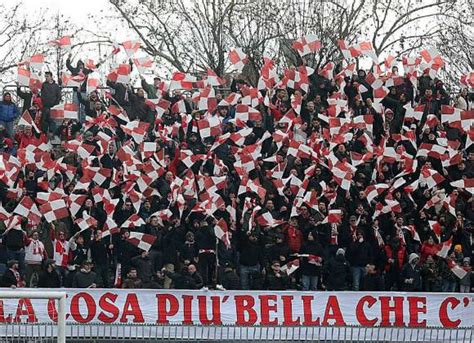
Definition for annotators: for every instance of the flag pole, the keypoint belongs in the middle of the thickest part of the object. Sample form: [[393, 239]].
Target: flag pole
[[217, 261]]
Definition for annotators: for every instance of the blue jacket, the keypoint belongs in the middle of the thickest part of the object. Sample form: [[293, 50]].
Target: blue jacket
[[8, 111]]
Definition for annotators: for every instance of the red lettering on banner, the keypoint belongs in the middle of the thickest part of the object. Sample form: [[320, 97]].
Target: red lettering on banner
[[266, 308], [132, 308], [415, 310], [288, 311], [2, 315], [106, 303], [25, 308], [90, 304], [52, 312], [162, 303], [216, 310], [443, 312], [308, 311], [360, 315], [333, 312], [244, 304], [187, 309], [386, 309]]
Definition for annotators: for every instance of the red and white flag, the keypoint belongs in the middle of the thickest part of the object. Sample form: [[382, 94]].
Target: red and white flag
[[133, 221], [69, 80], [307, 44], [64, 111], [373, 191], [131, 47], [348, 52], [464, 184], [444, 247], [35, 62], [62, 43], [291, 267], [27, 120], [75, 202], [212, 79], [141, 240], [456, 269], [210, 127], [238, 58], [435, 228], [334, 216], [143, 63], [246, 113], [29, 79], [431, 177], [93, 82], [86, 222], [121, 74], [28, 209], [136, 129], [54, 210], [222, 232]]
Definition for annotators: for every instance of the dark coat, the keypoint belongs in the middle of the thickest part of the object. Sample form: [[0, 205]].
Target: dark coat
[[311, 248], [230, 280], [49, 280], [338, 274], [410, 272], [50, 94]]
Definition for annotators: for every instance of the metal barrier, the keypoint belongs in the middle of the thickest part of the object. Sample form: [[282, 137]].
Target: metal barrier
[[104, 333]]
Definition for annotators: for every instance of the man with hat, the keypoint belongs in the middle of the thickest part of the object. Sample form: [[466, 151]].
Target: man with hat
[[12, 277], [411, 274]]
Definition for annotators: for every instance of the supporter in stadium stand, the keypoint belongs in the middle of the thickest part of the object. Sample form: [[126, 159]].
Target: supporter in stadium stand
[[319, 180]]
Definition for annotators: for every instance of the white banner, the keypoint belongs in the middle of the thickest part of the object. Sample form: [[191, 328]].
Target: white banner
[[238, 308]]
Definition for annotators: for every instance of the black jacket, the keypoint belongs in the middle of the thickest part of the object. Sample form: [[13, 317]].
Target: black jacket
[[49, 280], [337, 274], [230, 280], [372, 282], [277, 282], [8, 279], [360, 254], [409, 272], [50, 94], [311, 248]]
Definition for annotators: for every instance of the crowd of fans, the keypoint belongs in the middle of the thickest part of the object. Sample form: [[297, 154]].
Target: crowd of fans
[[248, 207]]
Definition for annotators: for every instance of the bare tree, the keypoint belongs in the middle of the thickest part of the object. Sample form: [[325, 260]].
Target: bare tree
[[456, 42], [191, 36], [19, 36]]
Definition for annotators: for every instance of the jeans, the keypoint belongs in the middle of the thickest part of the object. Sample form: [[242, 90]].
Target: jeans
[[8, 127], [464, 288], [245, 272], [357, 274], [310, 283], [449, 286]]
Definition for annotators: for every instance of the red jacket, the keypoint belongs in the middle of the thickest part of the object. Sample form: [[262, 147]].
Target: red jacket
[[400, 255], [426, 250], [294, 237]]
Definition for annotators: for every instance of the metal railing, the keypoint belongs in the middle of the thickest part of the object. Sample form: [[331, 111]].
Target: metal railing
[[45, 332]]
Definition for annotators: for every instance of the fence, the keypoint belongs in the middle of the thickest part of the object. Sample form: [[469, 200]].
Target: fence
[[104, 333]]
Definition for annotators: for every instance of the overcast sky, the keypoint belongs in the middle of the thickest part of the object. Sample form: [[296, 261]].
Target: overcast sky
[[76, 10]]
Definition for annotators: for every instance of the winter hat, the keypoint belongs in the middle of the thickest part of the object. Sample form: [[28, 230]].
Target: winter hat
[[467, 260], [412, 257], [340, 251], [458, 248], [10, 263]]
